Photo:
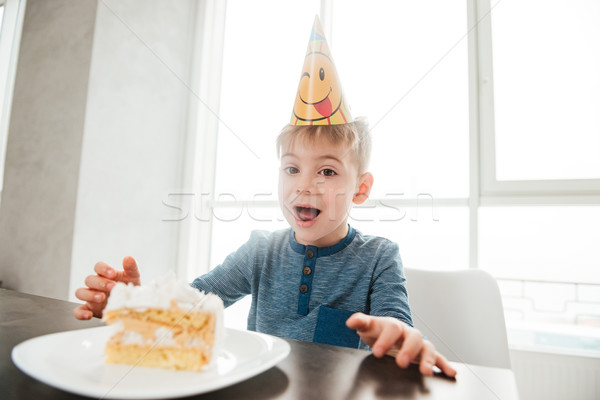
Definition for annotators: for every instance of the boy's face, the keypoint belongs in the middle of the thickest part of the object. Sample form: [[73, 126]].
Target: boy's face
[[318, 182]]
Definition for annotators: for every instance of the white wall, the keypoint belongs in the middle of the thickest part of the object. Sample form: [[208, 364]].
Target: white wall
[[135, 133], [554, 376]]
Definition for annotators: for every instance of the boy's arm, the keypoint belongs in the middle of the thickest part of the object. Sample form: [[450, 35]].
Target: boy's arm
[[227, 281], [388, 295], [387, 335], [388, 330], [99, 286], [232, 280]]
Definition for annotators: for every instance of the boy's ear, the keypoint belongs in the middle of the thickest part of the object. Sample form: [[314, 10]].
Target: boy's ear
[[365, 183]]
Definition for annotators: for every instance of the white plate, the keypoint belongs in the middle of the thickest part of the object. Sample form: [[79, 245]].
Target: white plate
[[74, 361]]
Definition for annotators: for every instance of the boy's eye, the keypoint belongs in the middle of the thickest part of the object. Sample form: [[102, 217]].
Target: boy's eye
[[291, 170], [328, 172]]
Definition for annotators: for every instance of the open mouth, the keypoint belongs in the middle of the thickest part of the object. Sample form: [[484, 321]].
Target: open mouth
[[306, 213]]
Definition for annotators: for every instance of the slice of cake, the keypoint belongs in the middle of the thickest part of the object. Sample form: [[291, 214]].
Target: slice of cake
[[167, 324]]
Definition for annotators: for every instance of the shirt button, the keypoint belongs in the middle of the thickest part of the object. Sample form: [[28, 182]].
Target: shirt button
[[303, 288], [310, 254], [307, 270]]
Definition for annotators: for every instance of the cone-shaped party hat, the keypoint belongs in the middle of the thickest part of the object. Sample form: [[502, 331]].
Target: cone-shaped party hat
[[319, 100]]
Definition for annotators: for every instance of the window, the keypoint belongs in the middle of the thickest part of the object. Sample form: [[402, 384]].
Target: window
[[11, 22], [556, 114], [546, 97], [486, 143], [553, 243], [400, 70]]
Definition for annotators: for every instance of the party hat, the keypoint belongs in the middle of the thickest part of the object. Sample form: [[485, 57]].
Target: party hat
[[319, 100]]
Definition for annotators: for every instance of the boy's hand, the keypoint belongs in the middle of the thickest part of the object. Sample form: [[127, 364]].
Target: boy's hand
[[99, 286], [386, 335]]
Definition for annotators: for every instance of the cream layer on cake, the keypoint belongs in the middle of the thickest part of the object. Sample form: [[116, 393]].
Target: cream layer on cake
[[166, 324]]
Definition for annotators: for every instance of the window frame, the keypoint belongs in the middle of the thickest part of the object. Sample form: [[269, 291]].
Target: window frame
[[199, 161], [494, 191], [10, 39]]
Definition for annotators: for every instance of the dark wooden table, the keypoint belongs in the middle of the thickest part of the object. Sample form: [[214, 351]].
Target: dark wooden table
[[311, 371]]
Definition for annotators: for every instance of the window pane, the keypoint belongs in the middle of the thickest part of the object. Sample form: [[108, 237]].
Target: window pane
[[548, 262], [262, 58], [547, 89], [403, 65], [541, 243], [429, 237]]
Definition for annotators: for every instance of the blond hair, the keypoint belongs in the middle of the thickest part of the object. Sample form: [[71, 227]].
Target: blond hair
[[355, 134]]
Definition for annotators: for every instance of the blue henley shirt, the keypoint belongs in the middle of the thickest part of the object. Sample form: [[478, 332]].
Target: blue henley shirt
[[307, 292]]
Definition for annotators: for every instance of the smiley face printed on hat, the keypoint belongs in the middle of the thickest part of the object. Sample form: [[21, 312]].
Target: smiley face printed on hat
[[319, 93]]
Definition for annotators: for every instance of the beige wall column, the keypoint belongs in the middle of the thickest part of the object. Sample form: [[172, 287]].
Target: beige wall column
[[37, 212]]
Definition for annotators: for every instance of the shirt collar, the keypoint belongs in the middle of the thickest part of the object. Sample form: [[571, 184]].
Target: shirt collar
[[323, 251]]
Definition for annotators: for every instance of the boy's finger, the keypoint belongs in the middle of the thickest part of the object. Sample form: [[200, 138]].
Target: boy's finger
[[388, 337], [366, 326], [411, 347], [427, 357], [444, 365], [130, 268], [103, 269], [99, 283], [83, 313], [92, 296], [358, 321]]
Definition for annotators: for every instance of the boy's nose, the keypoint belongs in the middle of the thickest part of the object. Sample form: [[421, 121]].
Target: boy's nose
[[308, 185], [303, 188]]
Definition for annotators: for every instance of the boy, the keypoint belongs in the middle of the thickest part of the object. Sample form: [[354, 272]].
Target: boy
[[320, 280]]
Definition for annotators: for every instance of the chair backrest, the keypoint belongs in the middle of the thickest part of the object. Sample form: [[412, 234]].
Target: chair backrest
[[461, 313]]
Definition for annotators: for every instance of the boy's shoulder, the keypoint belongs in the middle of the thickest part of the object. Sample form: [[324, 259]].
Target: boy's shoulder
[[260, 236], [261, 243], [382, 251], [374, 241]]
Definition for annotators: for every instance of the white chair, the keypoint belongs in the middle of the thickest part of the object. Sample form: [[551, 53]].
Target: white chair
[[461, 313]]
